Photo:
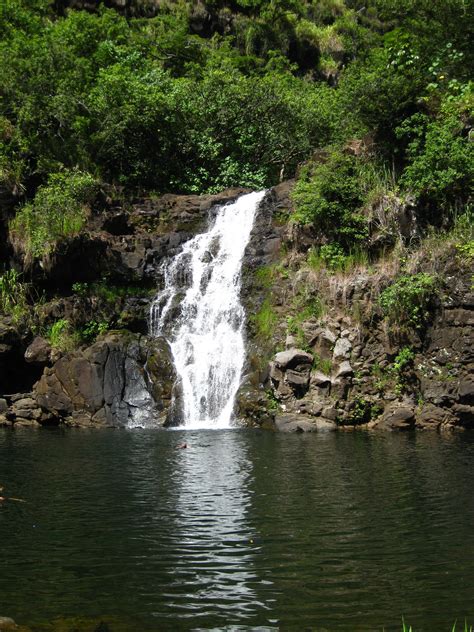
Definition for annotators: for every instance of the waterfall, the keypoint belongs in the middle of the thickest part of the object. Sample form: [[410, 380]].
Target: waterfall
[[200, 313]]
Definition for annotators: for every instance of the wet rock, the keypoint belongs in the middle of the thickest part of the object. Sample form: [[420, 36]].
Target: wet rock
[[161, 373], [3, 405], [39, 351], [4, 422], [302, 423], [465, 415], [431, 417], [398, 418], [330, 413], [253, 407], [466, 391], [7, 624], [26, 423], [106, 384]]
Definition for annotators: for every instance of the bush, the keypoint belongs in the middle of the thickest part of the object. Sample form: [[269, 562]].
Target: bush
[[58, 210], [62, 337], [330, 196], [440, 156], [13, 295], [407, 300]]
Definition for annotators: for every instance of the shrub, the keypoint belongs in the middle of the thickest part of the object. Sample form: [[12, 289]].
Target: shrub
[[62, 337], [92, 329], [402, 360], [13, 295], [362, 411], [329, 195], [58, 210], [440, 156], [406, 301]]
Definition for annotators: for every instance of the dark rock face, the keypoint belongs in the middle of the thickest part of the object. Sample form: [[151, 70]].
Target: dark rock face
[[39, 351], [342, 377], [126, 242], [434, 392], [108, 384], [303, 423]]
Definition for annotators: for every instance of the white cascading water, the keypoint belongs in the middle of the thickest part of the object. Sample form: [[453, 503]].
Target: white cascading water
[[207, 339]]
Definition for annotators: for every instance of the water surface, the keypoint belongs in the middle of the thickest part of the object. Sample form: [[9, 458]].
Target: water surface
[[240, 531]]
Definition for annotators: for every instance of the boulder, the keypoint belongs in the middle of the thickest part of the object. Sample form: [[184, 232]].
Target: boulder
[[291, 358], [107, 384], [342, 350], [323, 341], [39, 351], [301, 423], [466, 391], [26, 423], [344, 370], [297, 379], [398, 417], [431, 417], [4, 422], [464, 414], [7, 624]]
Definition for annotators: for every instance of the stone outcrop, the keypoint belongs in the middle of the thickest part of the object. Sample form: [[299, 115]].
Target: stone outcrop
[[343, 376], [363, 388], [123, 379]]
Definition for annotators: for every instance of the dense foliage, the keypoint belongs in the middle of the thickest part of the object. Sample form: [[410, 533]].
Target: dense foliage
[[193, 97]]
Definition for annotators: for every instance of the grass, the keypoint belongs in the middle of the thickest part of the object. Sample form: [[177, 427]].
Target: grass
[[265, 320], [62, 337], [13, 296], [466, 628], [334, 259]]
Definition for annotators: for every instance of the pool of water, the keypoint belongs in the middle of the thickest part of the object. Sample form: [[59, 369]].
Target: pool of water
[[242, 530]]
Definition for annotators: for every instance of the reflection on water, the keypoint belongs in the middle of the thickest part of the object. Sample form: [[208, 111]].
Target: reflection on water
[[240, 531]]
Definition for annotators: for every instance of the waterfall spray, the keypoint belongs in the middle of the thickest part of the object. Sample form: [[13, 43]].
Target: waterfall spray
[[206, 339]]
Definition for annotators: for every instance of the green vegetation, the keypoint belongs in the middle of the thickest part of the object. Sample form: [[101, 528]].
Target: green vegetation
[[58, 210], [62, 337], [89, 332], [108, 292], [400, 367], [366, 103], [322, 364], [333, 258], [265, 320], [328, 196], [13, 296], [406, 301], [147, 102], [362, 411]]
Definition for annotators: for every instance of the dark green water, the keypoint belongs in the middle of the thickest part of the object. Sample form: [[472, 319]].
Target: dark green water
[[241, 531]]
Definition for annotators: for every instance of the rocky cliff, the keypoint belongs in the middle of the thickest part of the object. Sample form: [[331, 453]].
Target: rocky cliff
[[321, 352]]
